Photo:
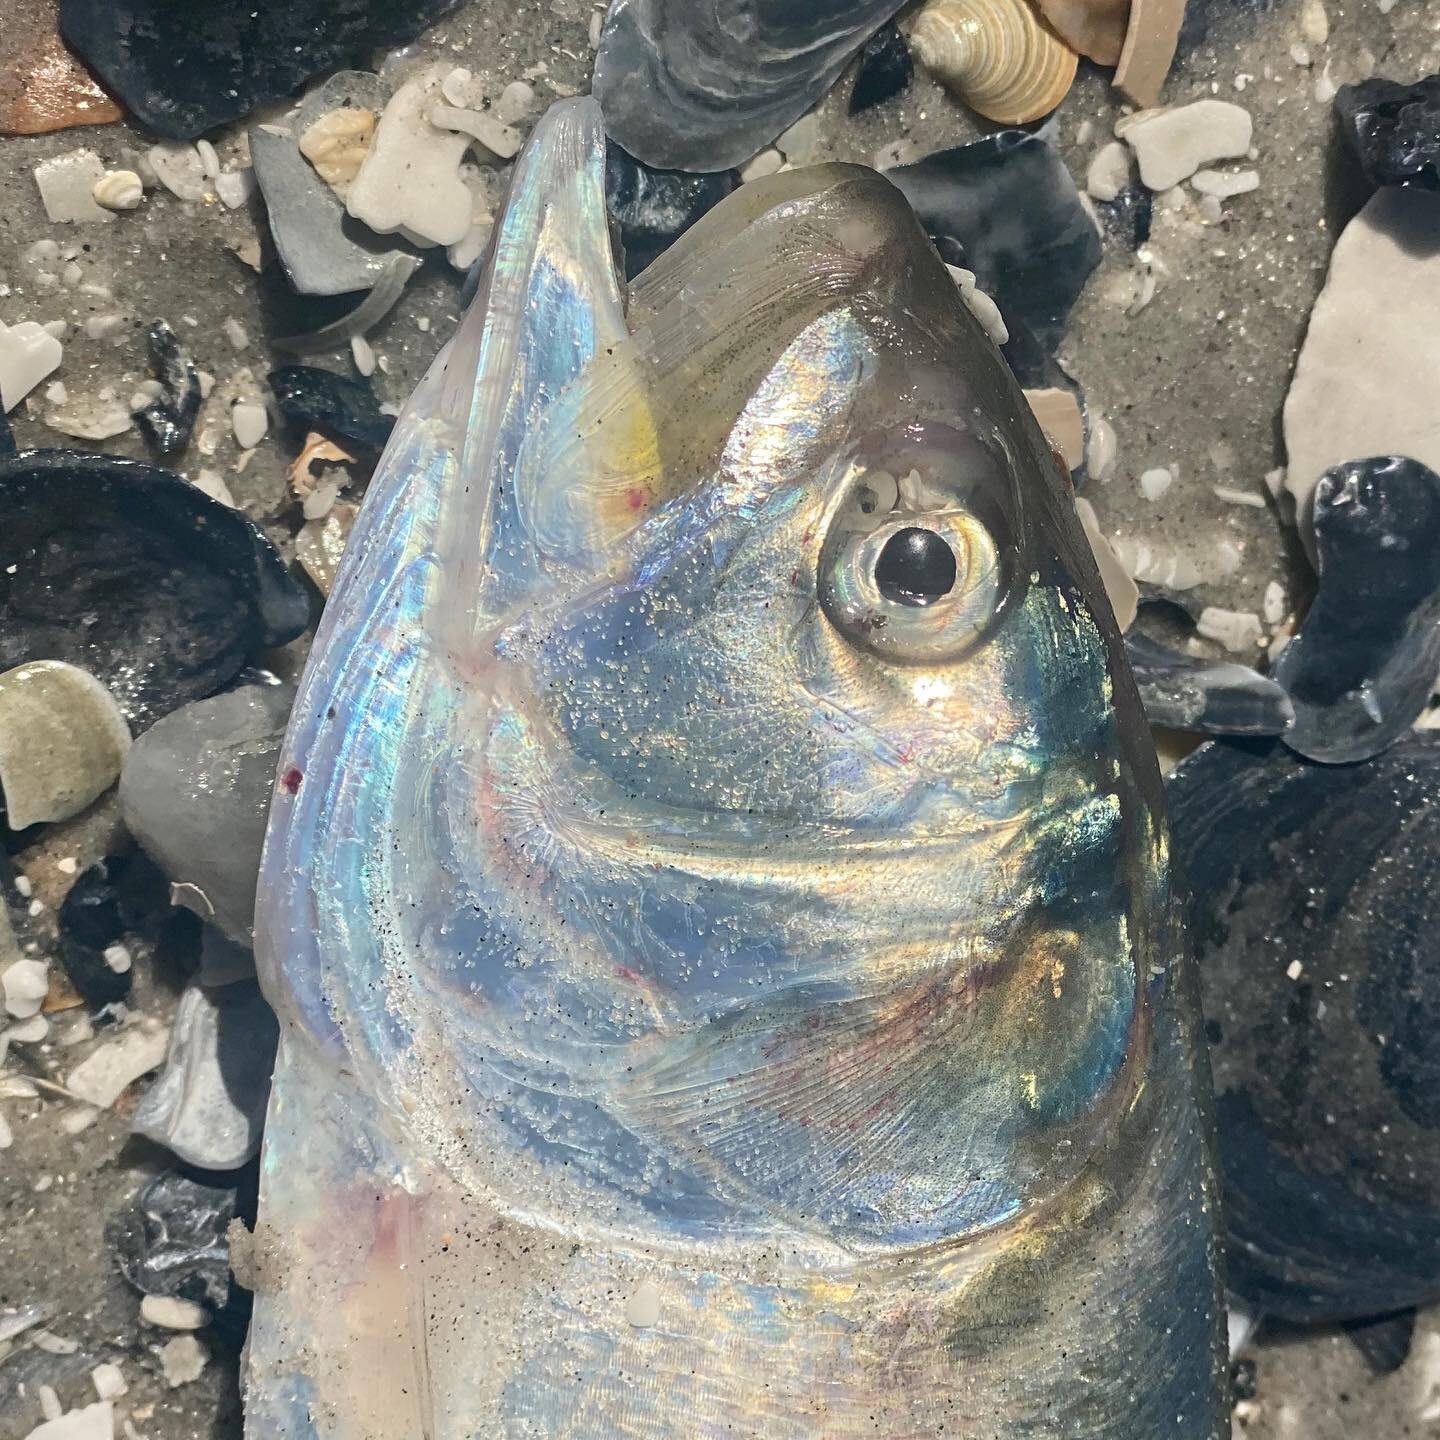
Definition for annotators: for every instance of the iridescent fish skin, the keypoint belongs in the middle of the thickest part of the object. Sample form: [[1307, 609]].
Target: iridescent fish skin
[[722, 996]]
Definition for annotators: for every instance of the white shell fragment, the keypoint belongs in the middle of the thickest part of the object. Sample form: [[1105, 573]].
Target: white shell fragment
[[1373, 347], [1222, 184], [62, 741], [28, 353], [92, 1422], [249, 420], [337, 144], [980, 305], [119, 190], [182, 1360], [410, 179], [1155, 482], [1171, 145], [1234, 629], [171, 1312], [24, 983], [67, 188], [500, 140], [102, 1077], [1122, 591], [179, 168]]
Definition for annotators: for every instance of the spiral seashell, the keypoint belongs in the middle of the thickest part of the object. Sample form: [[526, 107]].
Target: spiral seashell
[[998, 56], [62, 741]]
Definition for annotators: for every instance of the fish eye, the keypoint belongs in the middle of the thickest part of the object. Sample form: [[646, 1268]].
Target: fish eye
[[915, 567], [918, 565]]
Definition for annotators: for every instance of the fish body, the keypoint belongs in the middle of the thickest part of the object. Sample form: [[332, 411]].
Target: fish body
[[716, 890]]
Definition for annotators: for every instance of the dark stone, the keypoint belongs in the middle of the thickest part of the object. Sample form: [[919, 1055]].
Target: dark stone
[[119, 901], [181, 68], [7, 437], [1127, 217], [343, 409], [1316, 920], [1394, 130], [132, 573], [1385, 1343], [699, 86], [1207, 697], [885, 68], [1006, 208], [168, 420], [204, 771], [1363, 665], [654, 207], [171, 1240]]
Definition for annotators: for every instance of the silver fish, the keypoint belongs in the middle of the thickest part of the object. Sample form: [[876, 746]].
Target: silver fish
[[716, 891]]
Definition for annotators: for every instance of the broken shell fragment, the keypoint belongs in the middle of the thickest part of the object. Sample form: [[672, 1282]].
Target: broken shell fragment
[[1096, 28], [1207, 697], [1363, 665], [704, 84], [1123, 593], [119, 190], [62, 741], [998, 56]]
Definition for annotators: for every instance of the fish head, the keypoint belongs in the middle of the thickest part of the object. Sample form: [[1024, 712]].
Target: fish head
[[718, 778]]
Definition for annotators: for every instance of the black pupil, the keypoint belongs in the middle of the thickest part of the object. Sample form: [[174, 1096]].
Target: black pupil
[[916, 567]]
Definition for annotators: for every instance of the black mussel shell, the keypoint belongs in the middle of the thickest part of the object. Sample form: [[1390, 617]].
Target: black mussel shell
[[1394, 130], [133, 574], [1205, 697], [1316, 918]]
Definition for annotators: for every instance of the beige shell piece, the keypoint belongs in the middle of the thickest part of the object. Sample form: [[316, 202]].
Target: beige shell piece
[[998, 56], [62, 741], [1096, 28]]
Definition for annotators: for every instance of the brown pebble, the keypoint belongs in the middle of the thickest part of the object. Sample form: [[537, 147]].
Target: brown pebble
[[43, 87]]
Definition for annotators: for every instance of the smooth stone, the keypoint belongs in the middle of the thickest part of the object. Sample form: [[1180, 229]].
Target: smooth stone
[[1316, 920], [308, 223], [1394, 130], [171, 1239], [885, 69], [117, 1062], [1006, 208], [653, 208], [1171, 145], [179, 168], [1205, 697], [181, 68], [166, 422], [1373, 346], [410, 180], [1363, 665], [701, 85], [195, 792], [133, 574], [1225, 184], [208, 1104], [112, 903]]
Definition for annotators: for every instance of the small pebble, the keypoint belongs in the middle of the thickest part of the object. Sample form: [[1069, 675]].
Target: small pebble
[[1273, 605], [1294, 970], [1225, 183], [170, 1312], [53, 1344], [28, 354], [1314, 22], [1101, 447], [182, 1360], [249, 420], [363, 354], [178, 167], [235, 187], [1108, 172], [108, 1381], [235, 333], [119, 190], [50, 1406], [1154, 483], [516, 102], [212, 483], [117, 957], [1171, 145]]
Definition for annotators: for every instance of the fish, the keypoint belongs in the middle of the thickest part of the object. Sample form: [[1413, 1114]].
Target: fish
[[716, 887]]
